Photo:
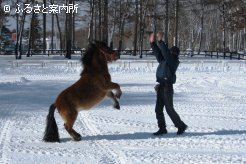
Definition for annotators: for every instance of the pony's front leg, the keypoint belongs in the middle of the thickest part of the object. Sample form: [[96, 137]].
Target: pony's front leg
[[118, 93], [111, 95], [118, 90], [113, 86]]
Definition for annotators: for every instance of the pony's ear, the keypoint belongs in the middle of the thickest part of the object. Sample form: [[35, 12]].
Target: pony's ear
[[91, 44], [100, 43], [96, 42]]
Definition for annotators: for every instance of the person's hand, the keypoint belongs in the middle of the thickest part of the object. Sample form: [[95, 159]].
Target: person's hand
[[152, 37], [159, 36], [157, 87]]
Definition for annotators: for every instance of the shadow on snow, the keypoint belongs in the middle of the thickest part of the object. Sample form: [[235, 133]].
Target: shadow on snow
[[148, 135]]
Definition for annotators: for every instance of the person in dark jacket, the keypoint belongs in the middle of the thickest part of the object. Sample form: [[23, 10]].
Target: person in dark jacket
[[166, 76]]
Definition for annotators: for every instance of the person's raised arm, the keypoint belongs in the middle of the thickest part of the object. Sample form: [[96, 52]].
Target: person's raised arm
[[155, 48], [163, 48]]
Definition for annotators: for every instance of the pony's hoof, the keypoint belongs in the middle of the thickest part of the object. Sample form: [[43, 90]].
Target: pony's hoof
[[117, 106], [118, 95], [77, 138]]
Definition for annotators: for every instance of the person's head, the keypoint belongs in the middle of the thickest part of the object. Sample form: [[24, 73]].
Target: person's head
[[175, 51]]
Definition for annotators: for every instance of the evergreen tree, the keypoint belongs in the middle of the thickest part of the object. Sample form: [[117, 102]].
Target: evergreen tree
[[36, 35]]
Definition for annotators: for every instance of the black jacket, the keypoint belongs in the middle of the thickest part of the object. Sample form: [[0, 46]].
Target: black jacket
[[168, 63]]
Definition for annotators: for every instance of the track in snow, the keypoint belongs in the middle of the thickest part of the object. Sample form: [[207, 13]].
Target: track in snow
[[211, 101]]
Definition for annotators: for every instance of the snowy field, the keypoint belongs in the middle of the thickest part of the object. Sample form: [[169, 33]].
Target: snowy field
[[210, 96]]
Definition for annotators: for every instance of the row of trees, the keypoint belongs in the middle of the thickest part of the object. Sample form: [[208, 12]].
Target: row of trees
[[195, 24]]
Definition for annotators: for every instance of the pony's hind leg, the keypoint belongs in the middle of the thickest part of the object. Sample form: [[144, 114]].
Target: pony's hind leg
[[111, 95], [68, 125]]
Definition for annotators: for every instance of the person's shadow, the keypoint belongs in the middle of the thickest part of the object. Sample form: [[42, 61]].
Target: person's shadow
[[148, 135]]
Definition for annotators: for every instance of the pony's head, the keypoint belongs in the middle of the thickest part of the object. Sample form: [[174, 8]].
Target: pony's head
[[100, 52], [108, 53]]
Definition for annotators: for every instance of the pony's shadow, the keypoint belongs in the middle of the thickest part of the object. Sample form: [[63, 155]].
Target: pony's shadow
[[148, 135]]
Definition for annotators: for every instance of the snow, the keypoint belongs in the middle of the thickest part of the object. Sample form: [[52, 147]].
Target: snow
[[209, 97]]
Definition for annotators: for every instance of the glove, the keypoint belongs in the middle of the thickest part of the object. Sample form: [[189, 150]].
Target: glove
[[156, 87]]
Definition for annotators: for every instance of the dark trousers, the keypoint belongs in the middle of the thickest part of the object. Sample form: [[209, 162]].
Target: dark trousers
[[165, 98]]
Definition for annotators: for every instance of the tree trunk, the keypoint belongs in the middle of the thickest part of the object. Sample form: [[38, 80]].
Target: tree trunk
[[19, 56], [112, 29], [30, 36], [208, 41], [66, 29], [17, 34], [90, 37], [244, 39], [1, 26], [95, 24], [100, 20], [44, 28], [73, 40], [69, 34], [142, 25], [166, 23], [135, 30], [120, 30], [141, 31], [59, 30], [105, 22], [121, 36], [123, 16], [202, 26], [21, 35], [224, 26], [52, 29], [176, 22]]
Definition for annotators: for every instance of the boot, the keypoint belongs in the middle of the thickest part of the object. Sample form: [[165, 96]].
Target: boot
[[161, 131], [182, 129]]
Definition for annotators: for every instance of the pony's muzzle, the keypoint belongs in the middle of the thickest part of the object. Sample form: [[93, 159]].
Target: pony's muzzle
[[116, 56]]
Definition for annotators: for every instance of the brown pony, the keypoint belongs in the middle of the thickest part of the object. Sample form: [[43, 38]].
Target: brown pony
[[93, 85]]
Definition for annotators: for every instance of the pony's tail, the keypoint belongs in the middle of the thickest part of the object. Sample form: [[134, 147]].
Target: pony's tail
[[51, 131]]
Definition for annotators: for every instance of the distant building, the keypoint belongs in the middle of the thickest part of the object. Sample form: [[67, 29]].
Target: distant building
[[56, 43], [7, 44]]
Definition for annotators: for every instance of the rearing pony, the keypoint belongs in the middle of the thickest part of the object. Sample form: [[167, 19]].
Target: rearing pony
[[93, 85]]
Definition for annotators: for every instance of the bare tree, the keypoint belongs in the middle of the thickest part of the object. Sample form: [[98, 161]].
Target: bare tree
[[202, 25], [20, 31], [143, 13], [105, 22], [3, 19], [176, 22], [30, 32], [166, 22], [92, 7], [44, 27], [123, 15], [112, 25], [69, 33], [59, 30], [135, 29], [196, 24]]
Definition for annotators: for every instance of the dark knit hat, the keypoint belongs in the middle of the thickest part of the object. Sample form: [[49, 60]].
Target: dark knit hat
[[175, 50]]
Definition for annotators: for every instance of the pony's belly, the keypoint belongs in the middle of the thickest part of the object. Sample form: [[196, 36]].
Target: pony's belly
[[82, 108], [86, 105]]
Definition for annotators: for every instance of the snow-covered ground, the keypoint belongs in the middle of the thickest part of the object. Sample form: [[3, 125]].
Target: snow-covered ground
[[210, 97]]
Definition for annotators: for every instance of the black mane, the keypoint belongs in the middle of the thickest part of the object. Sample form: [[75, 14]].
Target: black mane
[[87, 56]]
